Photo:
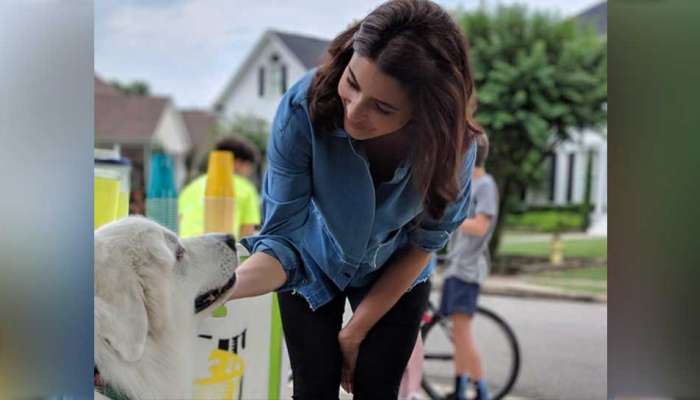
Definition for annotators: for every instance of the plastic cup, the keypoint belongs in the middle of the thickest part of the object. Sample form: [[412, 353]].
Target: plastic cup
[[219, 172], [161, 197], [106, 198], [219, 205]]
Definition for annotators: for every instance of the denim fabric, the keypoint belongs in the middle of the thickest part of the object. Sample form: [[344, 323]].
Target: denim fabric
[[322, 217]]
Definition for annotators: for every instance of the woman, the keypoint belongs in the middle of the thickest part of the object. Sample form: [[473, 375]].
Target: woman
[[369, 166]]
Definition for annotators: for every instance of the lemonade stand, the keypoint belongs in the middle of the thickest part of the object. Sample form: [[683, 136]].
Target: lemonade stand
[[239, 350]]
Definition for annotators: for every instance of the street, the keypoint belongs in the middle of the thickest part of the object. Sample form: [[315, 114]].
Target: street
[[562, 345]]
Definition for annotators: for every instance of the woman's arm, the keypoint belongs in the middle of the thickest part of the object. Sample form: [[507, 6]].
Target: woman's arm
[[477, 226], [383, 295], [390, 286], [259, 274]]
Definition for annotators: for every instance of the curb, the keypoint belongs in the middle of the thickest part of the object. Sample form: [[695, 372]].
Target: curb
[[514, 288], [541, 293]]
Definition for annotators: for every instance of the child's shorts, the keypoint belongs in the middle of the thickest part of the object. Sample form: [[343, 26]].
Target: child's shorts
[[458, 297]]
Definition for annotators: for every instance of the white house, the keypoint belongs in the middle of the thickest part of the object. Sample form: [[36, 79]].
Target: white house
[[572, 156], [567, 170], [277, 61]]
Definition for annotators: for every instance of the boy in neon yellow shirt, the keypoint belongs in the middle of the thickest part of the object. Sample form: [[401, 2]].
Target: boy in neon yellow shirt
[[247, 199]]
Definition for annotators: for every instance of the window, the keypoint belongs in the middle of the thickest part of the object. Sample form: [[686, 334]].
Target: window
[[277, 83], [261, 82], [284, 78]]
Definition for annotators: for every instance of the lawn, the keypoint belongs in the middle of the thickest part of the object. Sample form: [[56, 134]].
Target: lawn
[[592, 248], [581, 280], [591, 274]]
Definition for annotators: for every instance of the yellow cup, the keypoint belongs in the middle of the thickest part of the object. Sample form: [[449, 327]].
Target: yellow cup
[[219, 172], [110, 164], [218, 214], [219, 206], [106, 199]]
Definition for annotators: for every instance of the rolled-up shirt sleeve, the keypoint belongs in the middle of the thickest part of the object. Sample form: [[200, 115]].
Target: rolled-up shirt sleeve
[[286, 193], [430, 234]]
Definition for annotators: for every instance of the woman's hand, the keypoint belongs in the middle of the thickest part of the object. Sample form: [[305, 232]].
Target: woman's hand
[[390, 286], [349, 340]]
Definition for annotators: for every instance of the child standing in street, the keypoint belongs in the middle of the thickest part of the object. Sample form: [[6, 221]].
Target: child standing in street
[[468, 264]]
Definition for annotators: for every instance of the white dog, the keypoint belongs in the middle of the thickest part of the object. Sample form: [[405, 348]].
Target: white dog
[[151, 289]]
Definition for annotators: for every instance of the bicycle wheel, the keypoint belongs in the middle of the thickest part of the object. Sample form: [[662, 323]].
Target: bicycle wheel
[[497, 345]]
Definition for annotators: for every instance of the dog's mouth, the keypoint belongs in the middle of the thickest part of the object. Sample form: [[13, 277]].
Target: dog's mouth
[[205, 300]]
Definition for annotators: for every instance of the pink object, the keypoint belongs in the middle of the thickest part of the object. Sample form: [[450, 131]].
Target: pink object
[[410, 383]]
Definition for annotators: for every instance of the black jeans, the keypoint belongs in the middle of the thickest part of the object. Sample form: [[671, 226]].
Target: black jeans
[[314, 352]]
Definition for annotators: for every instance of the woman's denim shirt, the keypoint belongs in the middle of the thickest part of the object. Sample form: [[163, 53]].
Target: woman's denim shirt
[[324, 220]]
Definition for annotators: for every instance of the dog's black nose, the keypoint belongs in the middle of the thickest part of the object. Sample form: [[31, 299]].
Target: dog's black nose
[[231, 242]]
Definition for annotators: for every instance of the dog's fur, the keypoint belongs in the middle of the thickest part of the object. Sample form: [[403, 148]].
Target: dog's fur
[[145, 320]]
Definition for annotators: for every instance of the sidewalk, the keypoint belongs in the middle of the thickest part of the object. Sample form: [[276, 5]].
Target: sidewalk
[[503, 285], [522, 237]]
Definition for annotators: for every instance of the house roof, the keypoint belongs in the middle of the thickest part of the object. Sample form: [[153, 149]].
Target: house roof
[[199, 125], [102, 87], [127, 117], [597, 16], [308, 50]]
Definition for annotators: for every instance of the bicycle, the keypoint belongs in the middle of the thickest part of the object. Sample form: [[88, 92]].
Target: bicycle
[[497, 344]]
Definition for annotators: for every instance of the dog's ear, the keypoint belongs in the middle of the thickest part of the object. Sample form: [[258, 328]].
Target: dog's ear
[[123, 325], [156, 285]]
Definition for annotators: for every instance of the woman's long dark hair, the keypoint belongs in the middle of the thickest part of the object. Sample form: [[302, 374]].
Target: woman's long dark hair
[[417, 43]]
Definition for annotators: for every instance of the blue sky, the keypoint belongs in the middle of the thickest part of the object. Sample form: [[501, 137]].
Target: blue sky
[[189, 49]]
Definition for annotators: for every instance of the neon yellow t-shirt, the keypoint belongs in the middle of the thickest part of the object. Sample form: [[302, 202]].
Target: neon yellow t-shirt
[[191, 206]]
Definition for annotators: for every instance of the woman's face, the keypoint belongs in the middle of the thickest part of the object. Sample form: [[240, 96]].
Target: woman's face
[[375, 104]]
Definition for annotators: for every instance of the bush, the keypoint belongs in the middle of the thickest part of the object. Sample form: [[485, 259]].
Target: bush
[[551, 220], [253, 128]]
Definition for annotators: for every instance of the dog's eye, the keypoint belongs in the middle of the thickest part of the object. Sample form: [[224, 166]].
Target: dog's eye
[[179, 253]]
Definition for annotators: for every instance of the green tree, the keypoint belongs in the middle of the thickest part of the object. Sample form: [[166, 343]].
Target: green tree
[[250, 127], [138, 88], [537, 77]]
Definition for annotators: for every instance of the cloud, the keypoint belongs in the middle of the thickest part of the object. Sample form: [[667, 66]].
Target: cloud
[[189, 49]]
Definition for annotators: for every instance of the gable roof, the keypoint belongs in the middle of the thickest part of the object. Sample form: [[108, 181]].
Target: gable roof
[[307, 50], [199, 124], [102, 87], [596, 16], [123, 117]]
